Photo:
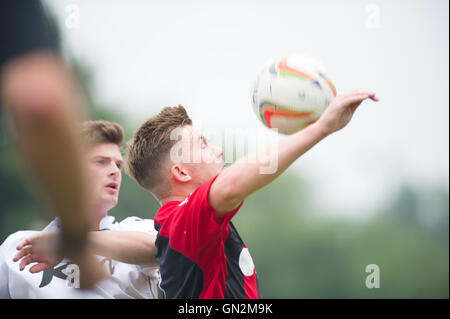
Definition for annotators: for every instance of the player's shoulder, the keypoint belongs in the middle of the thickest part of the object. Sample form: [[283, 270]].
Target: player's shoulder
[[135, 223], [172, 210], [192, 206]]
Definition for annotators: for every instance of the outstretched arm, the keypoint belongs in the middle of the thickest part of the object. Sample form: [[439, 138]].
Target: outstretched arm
[[249, 174], [131, 247]]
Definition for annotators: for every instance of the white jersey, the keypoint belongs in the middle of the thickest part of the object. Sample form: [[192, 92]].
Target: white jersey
[[123, 280]]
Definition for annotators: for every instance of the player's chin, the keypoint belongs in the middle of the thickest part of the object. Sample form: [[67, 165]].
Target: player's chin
[[220, 167], [111, 200]]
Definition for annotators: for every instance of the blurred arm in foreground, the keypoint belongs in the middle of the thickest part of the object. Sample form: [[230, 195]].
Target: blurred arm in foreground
[[44, 103]]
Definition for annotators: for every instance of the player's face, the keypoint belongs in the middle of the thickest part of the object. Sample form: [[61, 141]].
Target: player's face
[[205, 158], [104, 173]]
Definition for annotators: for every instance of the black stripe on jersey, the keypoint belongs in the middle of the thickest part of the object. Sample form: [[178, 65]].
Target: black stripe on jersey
[[180, 268], [234, 281]]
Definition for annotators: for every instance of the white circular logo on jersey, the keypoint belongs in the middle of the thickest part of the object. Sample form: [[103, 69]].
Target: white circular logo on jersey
[[246, 262]]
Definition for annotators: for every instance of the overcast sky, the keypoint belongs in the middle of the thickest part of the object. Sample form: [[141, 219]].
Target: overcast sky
[[206, 54]]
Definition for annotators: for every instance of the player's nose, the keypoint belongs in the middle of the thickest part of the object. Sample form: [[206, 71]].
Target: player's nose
[[113, 170]]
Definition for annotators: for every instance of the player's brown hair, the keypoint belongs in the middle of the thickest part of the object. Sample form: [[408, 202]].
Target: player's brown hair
[[98, 132], [151, 145]]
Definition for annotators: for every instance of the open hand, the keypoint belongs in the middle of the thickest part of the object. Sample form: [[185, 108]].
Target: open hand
[[43, 249], [40, 248], [341, 110]]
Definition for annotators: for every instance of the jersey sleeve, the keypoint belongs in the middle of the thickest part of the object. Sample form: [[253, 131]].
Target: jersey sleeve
[[194, 225], [142, 225], [138, 224]]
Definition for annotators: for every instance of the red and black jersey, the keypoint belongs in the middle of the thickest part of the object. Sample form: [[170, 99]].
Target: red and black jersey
[[199, 257]]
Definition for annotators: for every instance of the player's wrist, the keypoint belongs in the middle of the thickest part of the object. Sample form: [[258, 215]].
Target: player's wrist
[[321, 129]]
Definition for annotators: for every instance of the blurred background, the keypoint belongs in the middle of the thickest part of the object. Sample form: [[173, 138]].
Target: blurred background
[[376, 192]]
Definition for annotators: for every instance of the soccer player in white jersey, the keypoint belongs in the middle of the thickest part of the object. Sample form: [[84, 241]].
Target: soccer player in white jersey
[[127, 252]]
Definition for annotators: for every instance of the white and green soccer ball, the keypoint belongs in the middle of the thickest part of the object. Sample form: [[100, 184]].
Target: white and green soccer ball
[[292, 92]]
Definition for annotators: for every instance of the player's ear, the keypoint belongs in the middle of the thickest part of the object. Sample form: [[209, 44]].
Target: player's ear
[[180, 173]]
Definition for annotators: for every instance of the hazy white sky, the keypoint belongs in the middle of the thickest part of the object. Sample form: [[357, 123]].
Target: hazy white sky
[[206, 54]]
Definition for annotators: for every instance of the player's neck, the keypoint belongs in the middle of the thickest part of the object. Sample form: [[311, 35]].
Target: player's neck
[[172, 198], [178, 193], [97, 216]]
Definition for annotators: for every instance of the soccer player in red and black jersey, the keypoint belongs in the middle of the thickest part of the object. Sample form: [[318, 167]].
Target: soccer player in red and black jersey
[[201, 254]]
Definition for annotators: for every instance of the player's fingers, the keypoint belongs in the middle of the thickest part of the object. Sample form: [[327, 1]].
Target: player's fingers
[[373, 97], [23, 243], [40, 267], [28, 241], [354, 93], [360, 99], [25, 261], [22, 253], [350, 100]]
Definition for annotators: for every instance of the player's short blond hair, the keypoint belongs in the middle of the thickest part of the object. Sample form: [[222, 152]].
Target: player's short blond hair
[[150, 146]]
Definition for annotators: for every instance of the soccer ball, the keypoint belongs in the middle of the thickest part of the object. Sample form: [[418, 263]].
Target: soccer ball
[[292, 92]]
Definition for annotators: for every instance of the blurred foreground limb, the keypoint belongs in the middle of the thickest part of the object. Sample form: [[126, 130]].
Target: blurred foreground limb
[[44, 102]]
